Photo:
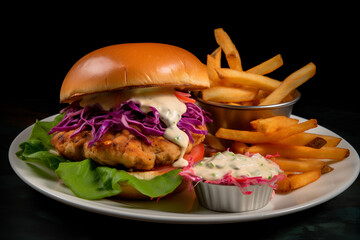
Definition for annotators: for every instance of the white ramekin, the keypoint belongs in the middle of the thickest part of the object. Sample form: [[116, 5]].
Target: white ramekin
[[229, 198]]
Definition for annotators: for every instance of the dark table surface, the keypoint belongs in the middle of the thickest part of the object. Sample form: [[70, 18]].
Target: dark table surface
[[331, 97]]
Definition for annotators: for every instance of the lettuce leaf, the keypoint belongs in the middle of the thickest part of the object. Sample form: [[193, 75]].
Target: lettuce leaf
[[159, 186], [36, 148], [88, 181], [85, 178]]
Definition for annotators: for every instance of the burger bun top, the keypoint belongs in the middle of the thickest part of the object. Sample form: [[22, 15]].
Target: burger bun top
[[133, 65]]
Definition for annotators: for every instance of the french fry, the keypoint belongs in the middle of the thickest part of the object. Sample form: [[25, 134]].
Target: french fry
[[242, 136], [262, 94], [267, 66], [297, 165], [217, 55], [301, 139], [295, 181], [259, 137], [317, 142], [302, 179], [213, 76], [239, 147], [228, 94], [267, 125], [269, 91], [290, 83], [214, 61], [291, 151], [283, 185], [214, 142], [326, 169], [293, 129], [247, 79], [249, 103], [231, 53], [331, 141], [235, 104]]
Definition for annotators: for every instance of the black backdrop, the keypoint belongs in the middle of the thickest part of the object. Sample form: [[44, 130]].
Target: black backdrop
[[42, 48]]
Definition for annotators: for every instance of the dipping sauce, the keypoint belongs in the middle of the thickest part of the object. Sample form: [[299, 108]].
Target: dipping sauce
[[215, 167]]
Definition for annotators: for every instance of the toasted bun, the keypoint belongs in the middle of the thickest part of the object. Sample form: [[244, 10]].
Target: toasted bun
[[133, 65], [129, 192]]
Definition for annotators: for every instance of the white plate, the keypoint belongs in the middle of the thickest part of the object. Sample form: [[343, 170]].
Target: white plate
[[184, 207]]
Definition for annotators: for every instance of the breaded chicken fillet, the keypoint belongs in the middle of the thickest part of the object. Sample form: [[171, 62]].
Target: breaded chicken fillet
[[121, 148]]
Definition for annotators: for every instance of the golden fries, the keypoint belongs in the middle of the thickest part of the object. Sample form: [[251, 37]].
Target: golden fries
[[247, 79], [227, 94], [303, 156], [213, 62], [239, 147], [304, 138], [214, 142], [295, 181], [297, 165], [292, 151], [267, 125], [283, 185], [231, 53], [290, 83], [326, 169], [259, 137], [317, 143], [268, 66], [269, 91]]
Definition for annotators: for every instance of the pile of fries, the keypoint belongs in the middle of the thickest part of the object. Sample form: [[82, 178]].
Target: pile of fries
[[235, 86], [303, 156]]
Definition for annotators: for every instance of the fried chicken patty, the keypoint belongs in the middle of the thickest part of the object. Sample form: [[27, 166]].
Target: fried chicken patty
[[122, 148]]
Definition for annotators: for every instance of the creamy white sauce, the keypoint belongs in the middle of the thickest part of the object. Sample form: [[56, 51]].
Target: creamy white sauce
[[107, 100], [170, 109], [215, 167]]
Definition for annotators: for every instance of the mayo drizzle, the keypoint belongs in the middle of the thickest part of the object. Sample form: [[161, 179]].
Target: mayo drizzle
[[107, 100], [170, 110], [215, 167]]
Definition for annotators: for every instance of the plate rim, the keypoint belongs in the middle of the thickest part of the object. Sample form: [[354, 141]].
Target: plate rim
[[99, 207]]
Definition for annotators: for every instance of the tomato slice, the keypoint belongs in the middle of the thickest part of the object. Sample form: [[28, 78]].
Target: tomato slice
[[184, 97], [197, 153]]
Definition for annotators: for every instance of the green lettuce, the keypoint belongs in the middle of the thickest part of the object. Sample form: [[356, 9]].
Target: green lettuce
[[85, 178], [36, 148]]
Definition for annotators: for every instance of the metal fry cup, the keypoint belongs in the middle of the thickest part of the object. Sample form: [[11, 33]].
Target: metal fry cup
[[239, 117]]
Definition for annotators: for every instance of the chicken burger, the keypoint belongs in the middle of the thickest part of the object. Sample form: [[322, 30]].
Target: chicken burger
[[130, 110]]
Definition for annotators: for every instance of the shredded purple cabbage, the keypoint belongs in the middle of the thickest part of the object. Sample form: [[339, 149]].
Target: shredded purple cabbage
[[127, 116]]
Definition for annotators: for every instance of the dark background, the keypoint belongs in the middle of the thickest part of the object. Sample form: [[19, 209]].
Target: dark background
[[40, 44], [42, 48]]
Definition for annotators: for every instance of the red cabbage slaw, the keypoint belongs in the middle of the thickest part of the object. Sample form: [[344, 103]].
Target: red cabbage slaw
[[242, 182], [127, 116]]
